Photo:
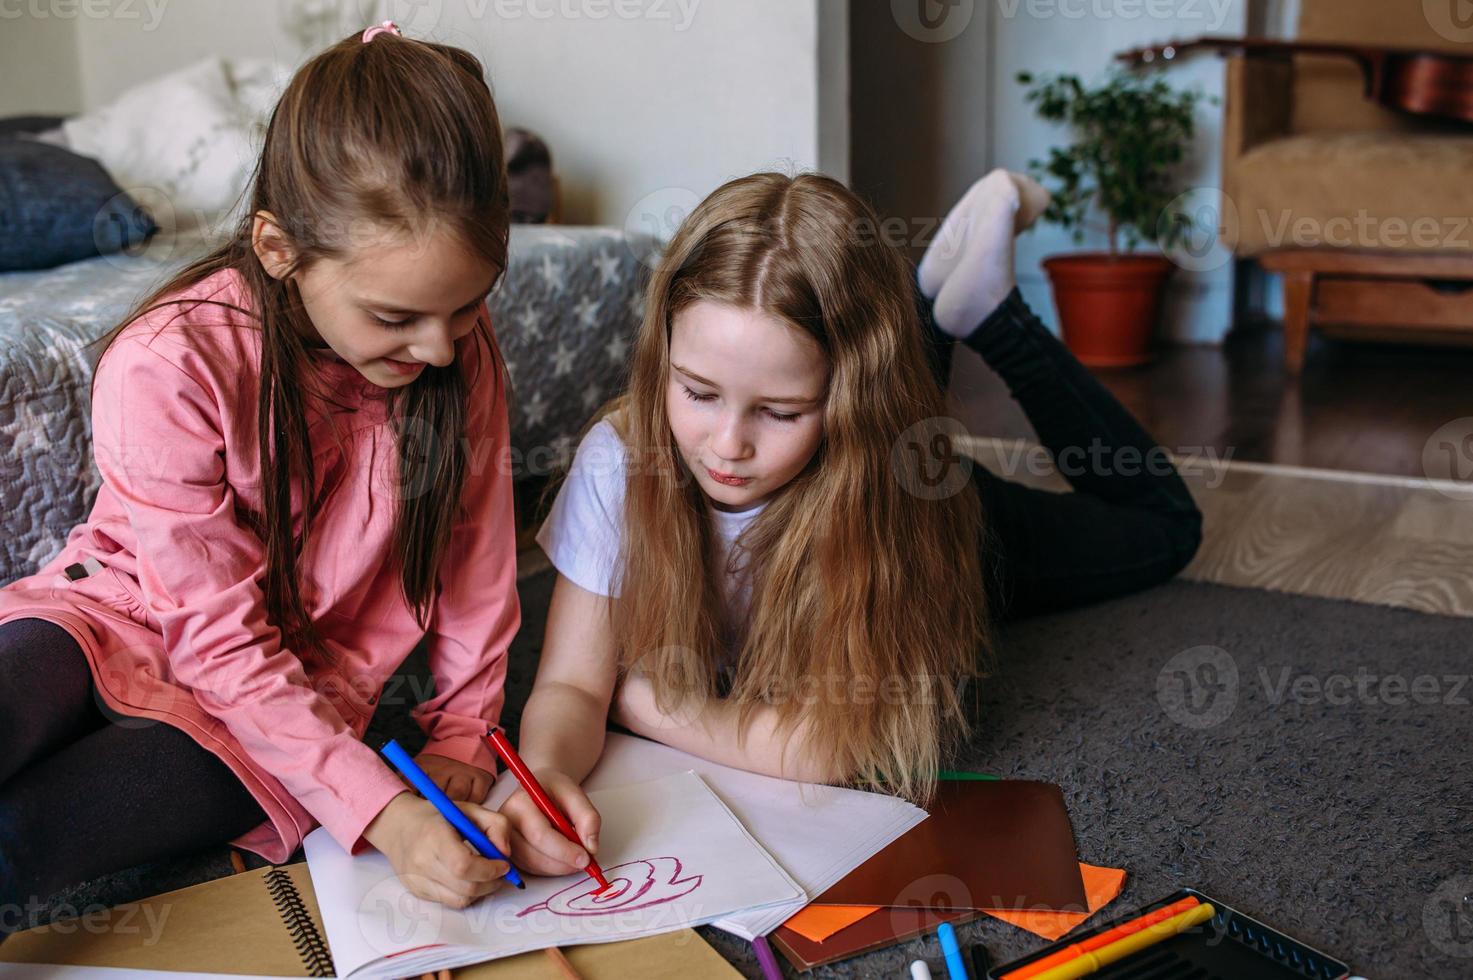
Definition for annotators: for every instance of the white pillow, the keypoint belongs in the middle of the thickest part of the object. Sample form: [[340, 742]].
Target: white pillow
[[182, 145]]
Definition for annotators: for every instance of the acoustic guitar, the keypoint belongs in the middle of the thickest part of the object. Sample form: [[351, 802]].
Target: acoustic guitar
[[1411, 80]]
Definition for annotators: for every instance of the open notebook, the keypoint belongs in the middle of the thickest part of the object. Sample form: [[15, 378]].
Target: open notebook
[[780, 842], [265, 923], [674, 856], [817, 833]]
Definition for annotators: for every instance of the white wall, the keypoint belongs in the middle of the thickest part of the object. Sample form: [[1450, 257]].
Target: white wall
[[1082, 36], [38, 63], [647, 104]]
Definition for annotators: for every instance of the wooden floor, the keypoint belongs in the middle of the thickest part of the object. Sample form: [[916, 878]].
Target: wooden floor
[[1365, 408], [1385, 540], [1323, 491]]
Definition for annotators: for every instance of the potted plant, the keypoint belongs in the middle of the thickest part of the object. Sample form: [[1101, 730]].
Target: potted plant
[[1129, 134]]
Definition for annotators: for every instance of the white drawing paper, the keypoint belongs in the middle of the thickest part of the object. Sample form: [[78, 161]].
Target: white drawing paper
[[674, 855]]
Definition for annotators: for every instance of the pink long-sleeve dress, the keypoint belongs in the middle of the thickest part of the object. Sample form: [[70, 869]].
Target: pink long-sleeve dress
[[173, 625]]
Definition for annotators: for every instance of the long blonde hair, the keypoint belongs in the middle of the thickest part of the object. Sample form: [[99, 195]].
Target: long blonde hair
[[856, 580]]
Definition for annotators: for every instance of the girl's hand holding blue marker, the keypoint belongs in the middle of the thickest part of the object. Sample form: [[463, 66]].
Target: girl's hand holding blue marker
[[429, 855]]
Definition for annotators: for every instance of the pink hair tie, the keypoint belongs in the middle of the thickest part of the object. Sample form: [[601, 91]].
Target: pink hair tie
[[387, 27]]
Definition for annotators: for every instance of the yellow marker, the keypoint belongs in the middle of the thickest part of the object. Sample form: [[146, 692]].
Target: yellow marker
[[1087, 963]]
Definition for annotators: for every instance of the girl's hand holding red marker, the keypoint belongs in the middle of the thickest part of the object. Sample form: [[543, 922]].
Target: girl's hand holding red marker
[[539, 847]]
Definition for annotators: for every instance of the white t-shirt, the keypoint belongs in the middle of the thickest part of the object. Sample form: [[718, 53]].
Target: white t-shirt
[[585, 528]]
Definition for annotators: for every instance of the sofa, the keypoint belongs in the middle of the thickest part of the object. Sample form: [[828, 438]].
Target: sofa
[[564, 314], [1366, 212]]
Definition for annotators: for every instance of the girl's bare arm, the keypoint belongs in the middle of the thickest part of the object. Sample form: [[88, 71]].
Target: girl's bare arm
[[709, 728], [563, 723]]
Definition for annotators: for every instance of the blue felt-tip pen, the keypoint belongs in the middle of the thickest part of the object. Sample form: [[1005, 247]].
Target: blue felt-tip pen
[[951, 951], [395, 753]]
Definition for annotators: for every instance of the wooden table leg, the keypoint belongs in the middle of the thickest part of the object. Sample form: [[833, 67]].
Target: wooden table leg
[[1298, 299]]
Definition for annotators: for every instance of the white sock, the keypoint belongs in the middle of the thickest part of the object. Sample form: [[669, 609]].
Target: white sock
[[968, 268]]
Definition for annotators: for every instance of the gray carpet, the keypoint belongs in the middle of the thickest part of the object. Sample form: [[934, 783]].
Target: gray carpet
[[1203, 736]]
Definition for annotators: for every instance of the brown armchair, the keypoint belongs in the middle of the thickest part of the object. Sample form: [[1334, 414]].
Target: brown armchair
[[1367, 213]]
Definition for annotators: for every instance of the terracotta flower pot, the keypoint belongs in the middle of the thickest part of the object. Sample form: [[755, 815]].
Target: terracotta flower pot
[[1108, 305]]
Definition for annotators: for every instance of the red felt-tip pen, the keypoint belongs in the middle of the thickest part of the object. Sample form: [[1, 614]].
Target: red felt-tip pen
[[498, 741]]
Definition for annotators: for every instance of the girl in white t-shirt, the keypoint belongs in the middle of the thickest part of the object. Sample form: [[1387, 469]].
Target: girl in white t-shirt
[[770, 554]]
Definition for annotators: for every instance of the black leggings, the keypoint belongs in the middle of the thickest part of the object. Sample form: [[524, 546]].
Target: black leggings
[[1130, 522], [84, 791]]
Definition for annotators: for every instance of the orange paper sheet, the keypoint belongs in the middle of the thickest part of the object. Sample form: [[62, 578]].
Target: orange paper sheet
[[1101, 885], [818, 922]]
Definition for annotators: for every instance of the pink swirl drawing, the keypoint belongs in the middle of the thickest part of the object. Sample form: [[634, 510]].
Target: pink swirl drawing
[[632, 885]]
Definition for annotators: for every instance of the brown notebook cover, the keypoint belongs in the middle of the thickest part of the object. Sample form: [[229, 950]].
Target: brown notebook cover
[[267, 922], [988, 844], [877, 930]]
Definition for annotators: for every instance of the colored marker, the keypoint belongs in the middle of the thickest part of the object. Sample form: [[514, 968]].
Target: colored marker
[[765, 959], [427, 788], [560, 962], [1088, 963], [497, 737], [955, 968], [919, 970], [1103, 939], [981, 961]]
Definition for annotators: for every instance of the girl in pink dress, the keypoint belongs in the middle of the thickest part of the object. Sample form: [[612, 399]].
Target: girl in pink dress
[[303, 441]]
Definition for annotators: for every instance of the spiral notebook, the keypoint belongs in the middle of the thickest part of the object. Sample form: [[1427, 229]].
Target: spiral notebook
[[266, 923], [256, 922]]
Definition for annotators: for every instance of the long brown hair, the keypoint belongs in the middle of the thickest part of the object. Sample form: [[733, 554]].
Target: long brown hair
[[856, 580], [396, 134]]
